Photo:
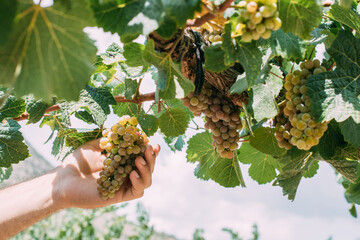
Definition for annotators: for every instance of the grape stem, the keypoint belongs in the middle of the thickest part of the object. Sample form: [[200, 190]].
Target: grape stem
[[142, 98], [208, 16]]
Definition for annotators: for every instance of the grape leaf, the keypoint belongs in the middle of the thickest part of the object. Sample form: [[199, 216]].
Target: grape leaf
[[287, 45], [173, 122], [175, 143], [351, 131], [265, 141], [85, 116], [35, 109], [75, 139], [168, 69], [331, 139], [122, 109], [312, 169], [215, 58], [200, 150], [130, 88], [345, 16], [262, 96], [181, 10], [262, 167], [5, 173], [7, 15], [250, 58], [39, 57], [347, 168], [149, 123], [226, 172], [299, 17], [60, 150], [97, 100], [12, 146], [12, 108], [294, 164], [335, 95], [352, 210], [172, 103], [132, 51]]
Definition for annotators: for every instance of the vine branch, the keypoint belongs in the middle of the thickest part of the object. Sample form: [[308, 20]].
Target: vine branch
[[208, 16], [142, 98]]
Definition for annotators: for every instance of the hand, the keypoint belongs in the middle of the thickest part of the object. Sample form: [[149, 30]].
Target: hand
[[75, 184]]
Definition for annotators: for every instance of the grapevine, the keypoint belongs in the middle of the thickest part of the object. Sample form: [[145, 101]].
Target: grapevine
[[247, 68]]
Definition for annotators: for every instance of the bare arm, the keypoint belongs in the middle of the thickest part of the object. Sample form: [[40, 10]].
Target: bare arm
[[73, 184]]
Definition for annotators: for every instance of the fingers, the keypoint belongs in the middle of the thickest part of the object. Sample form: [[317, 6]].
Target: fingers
[[138, 186], [150, 155], [94, 145]]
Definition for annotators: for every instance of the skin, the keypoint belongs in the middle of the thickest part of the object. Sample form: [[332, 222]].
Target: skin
[[72, 184]]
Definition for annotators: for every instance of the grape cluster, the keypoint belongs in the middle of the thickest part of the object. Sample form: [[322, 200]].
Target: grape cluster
[[214, 36], [257, 18], [221, 117], [299, 128], [123, 143]]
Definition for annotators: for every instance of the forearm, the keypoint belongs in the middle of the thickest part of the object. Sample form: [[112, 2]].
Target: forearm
[[27, 203]]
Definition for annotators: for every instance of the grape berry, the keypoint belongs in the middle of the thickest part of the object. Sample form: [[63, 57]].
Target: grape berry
[[123, 143]]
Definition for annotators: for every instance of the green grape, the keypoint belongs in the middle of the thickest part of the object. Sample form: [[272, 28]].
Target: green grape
[[255, 35], [297, 133], [256, 18], [251, 7], [288, 86], [295, 80], [301, 144], [312, 141], [303, 89], [317, 71], [211, 39], [309, 64], [246, 37], [260, 28], [309, 131], [266, 34], [277, 23], [217, 38], [112, 136], [289, 77], [297, 101], [301, 125], [296, 89]]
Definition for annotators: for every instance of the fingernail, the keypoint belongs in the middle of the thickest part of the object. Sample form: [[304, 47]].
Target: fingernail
[[136, 174], [142, 161], [152, 151]]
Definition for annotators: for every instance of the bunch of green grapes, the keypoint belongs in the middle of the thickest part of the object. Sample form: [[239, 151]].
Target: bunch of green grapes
[[283, 127], [257, 18], [305, 132], [214, 36], [221, 118], [123, 143]]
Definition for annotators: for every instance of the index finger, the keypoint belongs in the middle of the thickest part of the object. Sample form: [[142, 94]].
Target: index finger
[[151, 153]]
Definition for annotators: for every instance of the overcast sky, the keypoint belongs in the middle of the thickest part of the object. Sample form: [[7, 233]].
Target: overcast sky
[[178, 202]]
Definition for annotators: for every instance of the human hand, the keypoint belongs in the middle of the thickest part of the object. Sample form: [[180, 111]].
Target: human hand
[[75, 184]]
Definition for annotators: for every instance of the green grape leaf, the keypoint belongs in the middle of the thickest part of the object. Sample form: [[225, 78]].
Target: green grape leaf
[[97, 100], [130, 88], [352, 193], [299, 17], [312, 170], [181, 10], [173, 122], [5, 173], [175, 143], [122, 109], [262, 167], [75, 139], [287, 45], [85, 116], [60, 150], [168, 69], [226, 172], [7, 15], [295, 163], [200, 150], [331, 139], [47, 53], [347, 168], [12, 108], [345, 16], [215, 58], [12, 146], [351, 131], [35, 109], [262, 96], [264, 140], [169, 91], [251, 59], [335, 95], [133, 52], [352, 210], [228, 45], [172, 103], [149, 123]]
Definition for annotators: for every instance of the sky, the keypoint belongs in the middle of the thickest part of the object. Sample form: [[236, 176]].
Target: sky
[[178, 202]]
